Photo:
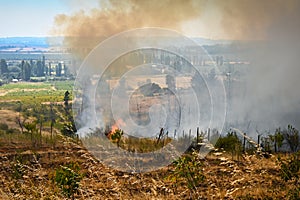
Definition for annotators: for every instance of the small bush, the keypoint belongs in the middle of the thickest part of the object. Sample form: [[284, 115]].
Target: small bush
[[292, 137], [290, 171], [229, 143], [67, 179], [3, 126], [188, 169], [18, 170], [116, 136], [69, 129], [290, 168]]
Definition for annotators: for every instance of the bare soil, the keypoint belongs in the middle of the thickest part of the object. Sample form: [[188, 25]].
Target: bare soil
[[8, 117]]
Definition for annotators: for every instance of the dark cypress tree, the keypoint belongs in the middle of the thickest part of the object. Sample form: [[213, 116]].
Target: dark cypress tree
[[3, 67]]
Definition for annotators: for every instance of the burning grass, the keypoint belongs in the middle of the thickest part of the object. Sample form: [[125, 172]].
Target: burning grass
[[136, 144]]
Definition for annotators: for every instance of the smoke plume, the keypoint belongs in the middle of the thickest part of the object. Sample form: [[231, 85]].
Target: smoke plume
[[85, 30], [272, 94]]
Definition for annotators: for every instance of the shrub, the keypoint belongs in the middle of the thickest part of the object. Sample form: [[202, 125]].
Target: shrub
[[67, 179], [289, 171], [69, 129], [290, 168], [277, 139], [3, 126], [229, 143], [116, 136], [18, 170], [292, 137], [188, 168]]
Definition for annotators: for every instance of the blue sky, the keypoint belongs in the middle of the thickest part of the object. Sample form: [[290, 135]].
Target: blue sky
[[35, 17]]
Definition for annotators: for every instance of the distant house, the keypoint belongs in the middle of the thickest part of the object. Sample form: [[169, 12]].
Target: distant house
[[15, 80]]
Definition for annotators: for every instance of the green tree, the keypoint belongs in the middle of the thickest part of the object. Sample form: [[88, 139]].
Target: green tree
[[50, 68], [171, 83], [230, 143], [4, 69], [14, 71], [46, 70], [40, 68], [31, 129], [3, 66], [44, 62], [292, 137], [25, 70], [66, 101], [69, 128], [22, 70], [39, 112], [277, 139], [58, 69], [66, 71], [52, 118], [33, 68]]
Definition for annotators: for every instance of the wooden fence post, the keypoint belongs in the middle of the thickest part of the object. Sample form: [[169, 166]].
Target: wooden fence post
[[197, 135], [244, 143], [208, 134]]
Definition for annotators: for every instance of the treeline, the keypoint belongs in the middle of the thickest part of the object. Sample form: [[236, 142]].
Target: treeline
[[282, 140], [26, 70]]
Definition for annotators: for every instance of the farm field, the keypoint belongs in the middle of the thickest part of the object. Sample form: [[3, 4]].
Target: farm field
[[27, 92]]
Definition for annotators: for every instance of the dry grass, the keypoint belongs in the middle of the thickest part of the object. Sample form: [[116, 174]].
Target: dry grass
[[250, 178], [8, 117], [227, 177]]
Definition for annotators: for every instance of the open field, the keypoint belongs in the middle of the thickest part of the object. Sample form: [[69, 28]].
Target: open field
[[28, 93]]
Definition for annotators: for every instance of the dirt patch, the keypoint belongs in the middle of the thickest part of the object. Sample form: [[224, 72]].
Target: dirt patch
[[3, 92], [9, 117]]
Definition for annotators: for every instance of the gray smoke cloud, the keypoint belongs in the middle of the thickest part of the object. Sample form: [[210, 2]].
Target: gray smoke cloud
[[269, 96], [272, 97]]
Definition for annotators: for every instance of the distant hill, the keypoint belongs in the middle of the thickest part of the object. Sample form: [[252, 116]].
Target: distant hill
[[58, 41], [30, 41]]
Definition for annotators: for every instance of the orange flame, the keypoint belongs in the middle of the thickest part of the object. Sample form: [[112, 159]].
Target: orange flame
[[114, 127]]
